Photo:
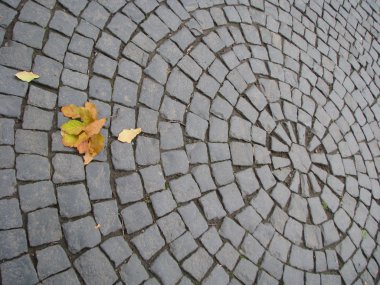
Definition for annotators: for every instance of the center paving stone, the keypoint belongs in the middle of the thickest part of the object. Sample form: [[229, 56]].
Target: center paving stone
[[300, 158], [259, 157]]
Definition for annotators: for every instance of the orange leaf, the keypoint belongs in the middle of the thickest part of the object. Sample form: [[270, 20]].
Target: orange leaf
[[91, 108], [83, 147], [95, 127], [71, 111]]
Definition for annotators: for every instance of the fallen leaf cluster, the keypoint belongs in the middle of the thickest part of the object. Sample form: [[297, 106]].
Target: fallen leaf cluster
[[83, 130]]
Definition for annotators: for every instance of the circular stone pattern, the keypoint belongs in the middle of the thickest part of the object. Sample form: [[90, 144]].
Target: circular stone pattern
[[259, 157]]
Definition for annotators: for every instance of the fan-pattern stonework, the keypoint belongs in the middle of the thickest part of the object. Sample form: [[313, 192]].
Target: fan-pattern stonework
[[259, 157]]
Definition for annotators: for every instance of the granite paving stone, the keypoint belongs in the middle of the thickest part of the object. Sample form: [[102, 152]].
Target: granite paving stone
[[14, 243], [166, 269], [81, 234], [51, 260], [44, 226], [94, 267], [133, 272], [19, 271], [106, 215], [117, 249], [149, 242], [136, 217]]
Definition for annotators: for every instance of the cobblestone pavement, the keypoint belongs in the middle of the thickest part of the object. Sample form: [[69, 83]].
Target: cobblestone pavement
[[259, 159]]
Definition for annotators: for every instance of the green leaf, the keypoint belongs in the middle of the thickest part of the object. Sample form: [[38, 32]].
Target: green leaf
[[73, 127]]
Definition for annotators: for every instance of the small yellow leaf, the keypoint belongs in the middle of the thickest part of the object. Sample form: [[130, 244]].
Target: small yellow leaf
[[87, 158], [26, 76], [128, 135], [97, 226]]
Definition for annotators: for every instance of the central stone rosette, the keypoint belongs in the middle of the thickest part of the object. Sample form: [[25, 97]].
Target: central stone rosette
[[300, 158]]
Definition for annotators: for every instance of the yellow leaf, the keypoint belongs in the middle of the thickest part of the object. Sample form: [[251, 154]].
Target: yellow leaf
[[96, 144], [128, 135], [26, 76], [71, 111], [91, 108], [69, 140], [85, 116], [73, 127], [94, 127]]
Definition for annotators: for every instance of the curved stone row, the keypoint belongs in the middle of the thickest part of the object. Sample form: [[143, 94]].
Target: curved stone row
[[259, 157]]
